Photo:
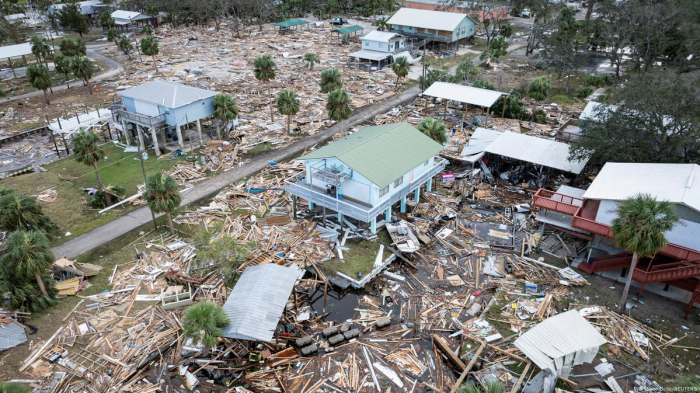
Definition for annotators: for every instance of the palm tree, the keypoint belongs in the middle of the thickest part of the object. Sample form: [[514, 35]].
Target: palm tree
[[204, 321], [288, 104], [163, 196], [125, 46], [225, 109], [29, 255], [149, 47], [68, 47], [62, 65], [310, 59], [639, 228], [113, 36], [400, 68], [39, 77], [82, 68], [87, 151], [21, 212], [382, 24], [434, 129], [264, 69], [40, 49], [330, 80], [338, 106]]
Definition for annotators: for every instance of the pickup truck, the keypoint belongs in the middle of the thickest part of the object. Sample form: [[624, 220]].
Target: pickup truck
[[339, 21]]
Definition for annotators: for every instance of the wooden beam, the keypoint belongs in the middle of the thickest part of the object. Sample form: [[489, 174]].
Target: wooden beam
[[468, 368], [447, 351]]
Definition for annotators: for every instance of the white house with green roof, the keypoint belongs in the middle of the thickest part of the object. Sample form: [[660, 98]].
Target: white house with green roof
[[364, 174]]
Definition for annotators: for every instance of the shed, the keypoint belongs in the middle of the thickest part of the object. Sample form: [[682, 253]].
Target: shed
[[484, 98], [538, 151], [559, 343], [258, 300]]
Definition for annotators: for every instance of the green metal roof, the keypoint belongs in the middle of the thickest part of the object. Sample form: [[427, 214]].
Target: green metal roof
[[383, 153], [292, 22], [348, 29]]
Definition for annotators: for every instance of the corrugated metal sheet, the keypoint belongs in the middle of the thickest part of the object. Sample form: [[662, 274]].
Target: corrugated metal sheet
[[370, 55], [481, 138], [383, 153], [11, 335], [471, 95], [677, 183], [167, 94], [257, 302], [15, 50], [381, 36], [535, 150], [425, 19], [560, 342]]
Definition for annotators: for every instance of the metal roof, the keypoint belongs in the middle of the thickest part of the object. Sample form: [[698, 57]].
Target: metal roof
[[167, 94], [15, 50], [370, 55], [676, 183], [11, 335], [481, 138], [426, 19], [292, 22], [257, 302], [383, 153], [129, 15], [348, 29], [466, 94], [380, 36], [561, 341], [535, 150]]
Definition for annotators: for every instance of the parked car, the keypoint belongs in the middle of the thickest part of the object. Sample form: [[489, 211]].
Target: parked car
[[339, 21], [525, 13]]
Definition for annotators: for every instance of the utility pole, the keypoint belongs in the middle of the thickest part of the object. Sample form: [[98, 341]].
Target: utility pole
[[143, 170]]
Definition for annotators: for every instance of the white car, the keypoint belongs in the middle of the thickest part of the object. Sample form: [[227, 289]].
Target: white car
[[525, 13]]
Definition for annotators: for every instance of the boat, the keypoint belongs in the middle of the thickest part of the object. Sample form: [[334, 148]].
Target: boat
[[402, 237]]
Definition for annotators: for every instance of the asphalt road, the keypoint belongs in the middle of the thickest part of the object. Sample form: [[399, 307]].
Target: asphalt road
[[210, 187]]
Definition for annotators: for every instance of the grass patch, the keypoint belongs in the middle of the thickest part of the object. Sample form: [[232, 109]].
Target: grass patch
[[259, 149], [479, 44], [71, 211], [361, 256]]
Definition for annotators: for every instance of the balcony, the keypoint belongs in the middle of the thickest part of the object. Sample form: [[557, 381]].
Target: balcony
[[133, 117], [557, 202], [332, 175], [297, 186]]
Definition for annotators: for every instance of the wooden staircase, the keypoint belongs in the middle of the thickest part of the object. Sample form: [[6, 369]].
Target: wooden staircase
[[605, 263], [668, 272]]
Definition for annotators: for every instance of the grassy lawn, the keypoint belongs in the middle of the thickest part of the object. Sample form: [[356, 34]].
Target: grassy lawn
[[360, 258], [71, 210], [21, 85]]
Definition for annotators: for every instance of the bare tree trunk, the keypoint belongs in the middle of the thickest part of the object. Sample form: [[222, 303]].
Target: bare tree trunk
[[108, 197], [154, 64], [87, 81], [170, 223], [40, 282], [217, 124], [46, 97], [289, 124], [269, 99], [625, 292]]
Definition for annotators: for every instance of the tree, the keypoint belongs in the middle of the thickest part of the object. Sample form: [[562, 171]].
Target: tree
[[125, 46], [147, 30], [538, 89], [542, 21], [310, 59], [288, 104], [39, 77], [71, 18], [149, 47], [62, 65], [163, 196], [225, 110], [656, 120], [264, 70], [330, 80], [20, 212], [106, 19], [382, 24], [41, 49], [28, 254], [338, 106], [400, 68], [88, 152], [498, 49], [614, 31], [466, 71], [561, 47], [484, 84], [639, 228], [70, 47], [203, 321], [492, 18], [113, 36], [514, 107], [82, 68], [433, 128]]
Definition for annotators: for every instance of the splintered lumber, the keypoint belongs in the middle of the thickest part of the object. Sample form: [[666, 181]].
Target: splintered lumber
[[468, 368], [445, 348], [522, 378]]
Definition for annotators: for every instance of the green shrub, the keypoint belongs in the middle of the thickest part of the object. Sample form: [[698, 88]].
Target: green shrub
[[539, 88], [584, 92], [539, 116]]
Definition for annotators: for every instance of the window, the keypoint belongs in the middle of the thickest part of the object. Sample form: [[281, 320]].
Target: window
[[366, 43], [383, 191], [398, 182]]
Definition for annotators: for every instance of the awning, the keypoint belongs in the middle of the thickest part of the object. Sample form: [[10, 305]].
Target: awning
[[469, 95], [15, 50], [535, 150], [292, 22], [369, 55], [348, 29]]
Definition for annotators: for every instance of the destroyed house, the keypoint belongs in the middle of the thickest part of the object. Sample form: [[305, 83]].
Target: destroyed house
[[90, 7], [444, 27], [362, 175], [159, 107], [675, 270]]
